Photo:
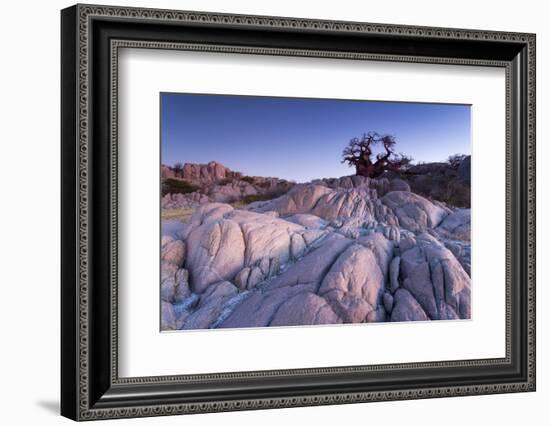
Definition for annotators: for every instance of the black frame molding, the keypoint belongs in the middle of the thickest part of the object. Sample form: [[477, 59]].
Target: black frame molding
[[90, 38]]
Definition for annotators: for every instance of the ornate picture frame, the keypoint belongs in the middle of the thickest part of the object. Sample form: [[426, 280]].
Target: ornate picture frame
[[91, 37]]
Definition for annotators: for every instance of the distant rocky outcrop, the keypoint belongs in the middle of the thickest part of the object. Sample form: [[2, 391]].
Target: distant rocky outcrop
[[198, 173], [346, 250], [445, 182], [191, 185], [183, 201]]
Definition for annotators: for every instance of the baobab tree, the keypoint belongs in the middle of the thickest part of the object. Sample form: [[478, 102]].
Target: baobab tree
[[360, 154], [178, 169]]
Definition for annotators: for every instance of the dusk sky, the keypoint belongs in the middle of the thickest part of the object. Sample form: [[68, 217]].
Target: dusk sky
[[301, 139]]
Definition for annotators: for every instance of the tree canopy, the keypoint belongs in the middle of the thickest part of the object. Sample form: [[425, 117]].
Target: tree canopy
[[360, 153]]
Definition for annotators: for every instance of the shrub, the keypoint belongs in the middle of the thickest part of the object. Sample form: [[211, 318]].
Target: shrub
[[455, 160], [458, 194], [247, 199], [449, 189], [177, 186], [248, 179]]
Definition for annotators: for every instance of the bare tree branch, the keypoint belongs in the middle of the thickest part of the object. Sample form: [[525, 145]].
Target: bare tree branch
[[359, 153]]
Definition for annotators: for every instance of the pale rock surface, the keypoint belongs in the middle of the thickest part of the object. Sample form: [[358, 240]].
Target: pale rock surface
[[173, 252], [308, 221], [231, 192], [211, 305], [399, 185], [436, 279], [216, 252], [223, 241], [406, 308], [414, 212], [305, 309], [305, 276], [354, 285], [184, 201], [344, 250], [167, 316], [456, 225], [174, 288]]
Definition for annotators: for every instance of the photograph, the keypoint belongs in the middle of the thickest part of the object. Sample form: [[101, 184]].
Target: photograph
[[273, 207], [280, 211]]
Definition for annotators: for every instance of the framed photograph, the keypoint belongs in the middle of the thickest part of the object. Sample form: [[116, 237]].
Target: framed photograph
[[263, 212]]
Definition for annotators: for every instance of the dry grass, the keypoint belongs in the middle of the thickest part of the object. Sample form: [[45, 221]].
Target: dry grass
[[237, 204], [182, 215]]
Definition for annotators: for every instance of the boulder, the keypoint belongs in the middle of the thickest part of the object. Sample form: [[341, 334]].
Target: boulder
[[211, 305], [216, 252], [259, 307], [297, 246], [359, 203], [168, 289], [167, 316], [173, 252], [171, 230], [414, 212], [181, 290], [230, 192], [456, 225], [380, 185], [175, 287], [305, 309], [265, 236], [300, 199], [330, 204], [313, 267], [436, 279], [202, 317], [462, 252], [396, 208], [406, 308], [210, 212], [256, 277], [308, 221], [417, 279], [399, 185], [223, 241], [354, 285], [382, 248]]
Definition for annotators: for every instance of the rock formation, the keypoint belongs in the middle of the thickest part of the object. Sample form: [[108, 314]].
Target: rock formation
[[345, 250], [213, 182], [439, 181]]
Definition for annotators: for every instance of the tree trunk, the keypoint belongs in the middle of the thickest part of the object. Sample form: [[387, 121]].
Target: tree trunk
[[362, 169]]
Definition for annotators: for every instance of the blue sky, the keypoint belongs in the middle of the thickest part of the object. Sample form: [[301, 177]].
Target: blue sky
[[301, 139]]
